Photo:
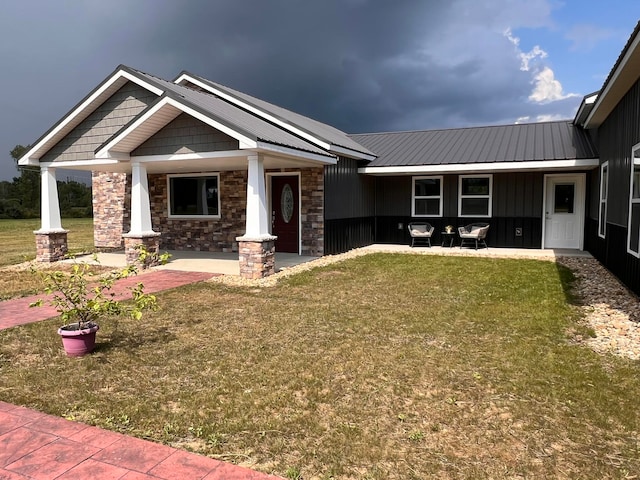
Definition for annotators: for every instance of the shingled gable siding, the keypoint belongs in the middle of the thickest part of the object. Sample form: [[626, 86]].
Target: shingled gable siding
[[111, 204], [186, 134], [106, 120], [218, 235]]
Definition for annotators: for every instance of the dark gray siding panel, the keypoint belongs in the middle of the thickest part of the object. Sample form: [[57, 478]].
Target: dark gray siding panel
[[393, 196], [98, 127], [347, 193], [186, 134], [518, 194]]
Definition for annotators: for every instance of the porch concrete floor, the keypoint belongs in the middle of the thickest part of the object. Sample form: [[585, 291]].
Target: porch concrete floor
[[481, 252], [208, 262]]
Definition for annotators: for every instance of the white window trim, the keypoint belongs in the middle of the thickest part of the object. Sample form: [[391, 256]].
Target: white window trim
[[415, 197], [632, 201], [192, 175], [602, 229], [461, 196]]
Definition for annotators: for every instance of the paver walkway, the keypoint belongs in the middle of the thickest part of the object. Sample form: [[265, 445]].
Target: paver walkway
[[17, 312], [37, 446]]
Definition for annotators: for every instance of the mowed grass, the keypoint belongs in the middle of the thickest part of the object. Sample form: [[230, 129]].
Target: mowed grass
[[19, 245], [379, 367]]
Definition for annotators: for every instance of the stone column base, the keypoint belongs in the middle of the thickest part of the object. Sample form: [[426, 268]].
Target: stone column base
[[132, 244], [257, 257], [51, 246]]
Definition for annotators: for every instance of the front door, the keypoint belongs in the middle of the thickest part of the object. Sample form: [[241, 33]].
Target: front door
[[285, 212], [564, 211]]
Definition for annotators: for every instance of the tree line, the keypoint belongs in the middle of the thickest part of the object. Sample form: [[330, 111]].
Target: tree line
[[20, 198]]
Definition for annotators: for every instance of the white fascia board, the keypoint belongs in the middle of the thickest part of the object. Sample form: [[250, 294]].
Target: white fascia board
[[292, 152], [245, 142], [483, 167], [613, 80], [347, 152], [80, 163], [69, 118], [256, 111], [176, 157]]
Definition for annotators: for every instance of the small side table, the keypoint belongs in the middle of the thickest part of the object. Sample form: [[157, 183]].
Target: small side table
[[448, 239]]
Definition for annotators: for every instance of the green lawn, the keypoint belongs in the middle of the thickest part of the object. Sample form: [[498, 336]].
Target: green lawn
[[380, 367], [19, 244]]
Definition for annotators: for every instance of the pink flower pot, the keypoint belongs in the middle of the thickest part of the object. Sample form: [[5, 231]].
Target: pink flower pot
[[78, 342]]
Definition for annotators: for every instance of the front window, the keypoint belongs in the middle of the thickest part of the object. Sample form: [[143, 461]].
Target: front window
[[604, 186], [194, 196], [427, 197], [475, 196]]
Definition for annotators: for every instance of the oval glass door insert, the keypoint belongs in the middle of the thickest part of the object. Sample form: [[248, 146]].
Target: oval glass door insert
[[286, 203]]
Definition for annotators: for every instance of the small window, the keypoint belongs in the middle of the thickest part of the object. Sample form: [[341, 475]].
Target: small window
[[475, 196], [633, 230], [604, 186], [427, 197], [194, 196]]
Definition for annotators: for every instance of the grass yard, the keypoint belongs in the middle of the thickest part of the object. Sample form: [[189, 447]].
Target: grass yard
[[19, 243], [379, 367]]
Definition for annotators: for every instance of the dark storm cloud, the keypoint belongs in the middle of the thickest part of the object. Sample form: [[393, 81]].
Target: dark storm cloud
[[360, 65]]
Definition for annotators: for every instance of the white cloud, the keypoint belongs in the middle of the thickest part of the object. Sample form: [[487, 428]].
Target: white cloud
[[550, 117], [525, 57], [547, 89]]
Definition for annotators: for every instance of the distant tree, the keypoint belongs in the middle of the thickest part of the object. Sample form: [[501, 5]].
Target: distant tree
[[27, 185]]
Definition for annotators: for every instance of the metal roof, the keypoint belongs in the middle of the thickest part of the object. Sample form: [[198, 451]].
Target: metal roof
[[507, 143], [322, 131], [232, 116]]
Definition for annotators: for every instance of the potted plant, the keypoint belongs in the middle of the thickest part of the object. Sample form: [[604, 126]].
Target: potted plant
[[81, 301]]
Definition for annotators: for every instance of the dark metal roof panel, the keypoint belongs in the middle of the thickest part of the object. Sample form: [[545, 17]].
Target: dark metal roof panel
[[234, 117], [325, 132], [506, 143]]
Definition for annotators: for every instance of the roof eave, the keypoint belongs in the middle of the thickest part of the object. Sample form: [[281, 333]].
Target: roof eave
[[620, 80]]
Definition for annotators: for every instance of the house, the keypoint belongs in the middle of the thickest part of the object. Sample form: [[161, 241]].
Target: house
[[192, 164]]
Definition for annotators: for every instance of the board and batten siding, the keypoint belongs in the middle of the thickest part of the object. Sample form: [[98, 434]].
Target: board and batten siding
[[349, 207], [99, 126], [616, 137], [186, 134]]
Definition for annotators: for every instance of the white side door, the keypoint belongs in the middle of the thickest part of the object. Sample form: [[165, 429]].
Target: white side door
[[564, 211]]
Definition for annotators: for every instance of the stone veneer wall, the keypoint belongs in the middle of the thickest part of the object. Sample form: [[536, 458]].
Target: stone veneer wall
[[111, 208], [207, 235], [312, 211]]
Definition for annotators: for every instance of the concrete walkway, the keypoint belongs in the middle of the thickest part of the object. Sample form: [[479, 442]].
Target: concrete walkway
[[37, 446]]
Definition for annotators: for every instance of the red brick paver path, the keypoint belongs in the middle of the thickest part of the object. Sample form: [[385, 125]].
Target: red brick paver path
[[17, 312], [37, 446]]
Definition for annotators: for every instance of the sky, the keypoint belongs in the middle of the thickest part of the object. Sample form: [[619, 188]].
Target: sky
[[359, 65]]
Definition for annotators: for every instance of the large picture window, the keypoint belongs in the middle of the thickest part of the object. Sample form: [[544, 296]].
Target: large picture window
[[194, 196], [633, 232], [475, 195], [604, 186], [427, 197]]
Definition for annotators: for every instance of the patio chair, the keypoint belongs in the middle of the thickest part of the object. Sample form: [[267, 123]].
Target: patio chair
[[474, 232], [420, 231]]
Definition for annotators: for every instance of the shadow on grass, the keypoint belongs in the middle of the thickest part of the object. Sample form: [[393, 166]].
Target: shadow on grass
[[130, 340]]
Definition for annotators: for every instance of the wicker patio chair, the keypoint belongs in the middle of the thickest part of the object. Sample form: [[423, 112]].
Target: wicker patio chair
[[420, 231], [474, 232]]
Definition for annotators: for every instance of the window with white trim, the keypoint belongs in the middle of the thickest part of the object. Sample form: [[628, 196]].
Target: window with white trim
[[633, 232], [194, 195], [604, 187], [426, 197], [474, 195]]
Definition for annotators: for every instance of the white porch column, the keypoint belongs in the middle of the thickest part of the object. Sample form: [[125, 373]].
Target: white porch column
[[140, 206], [257, 225], [49, 205], [51, 239], [256, 248], [141, 233]]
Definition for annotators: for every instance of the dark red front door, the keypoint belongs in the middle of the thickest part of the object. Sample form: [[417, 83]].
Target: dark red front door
[[284, 212]]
